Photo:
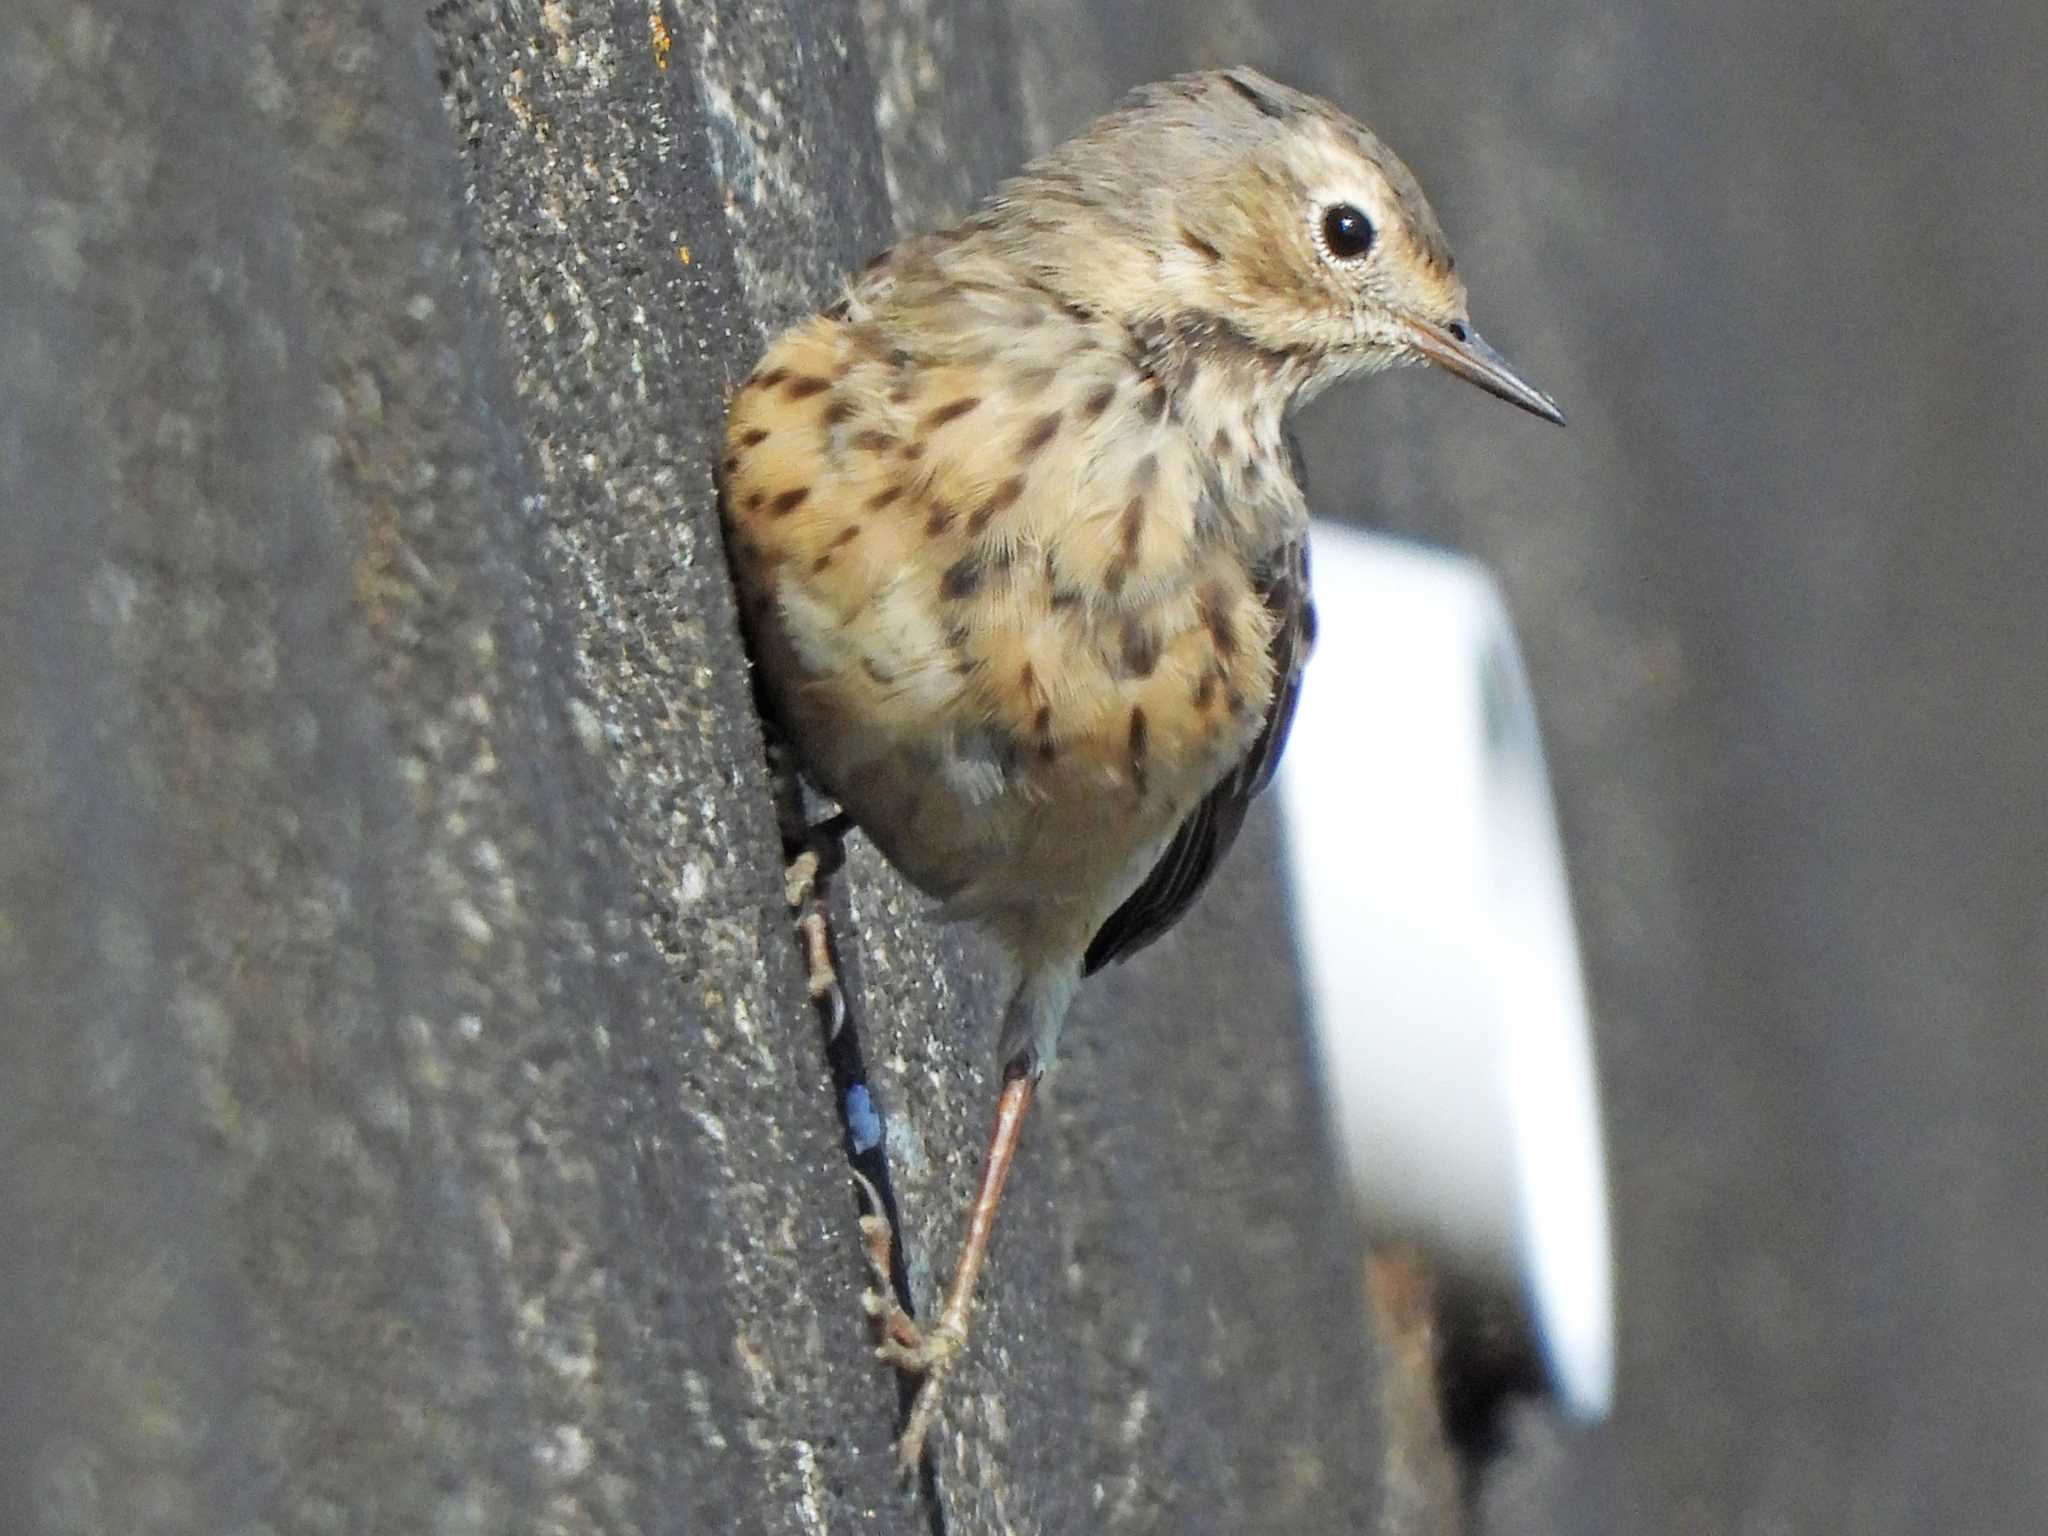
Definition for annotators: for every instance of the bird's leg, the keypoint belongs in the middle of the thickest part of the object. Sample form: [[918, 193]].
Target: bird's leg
[[930, 1353]]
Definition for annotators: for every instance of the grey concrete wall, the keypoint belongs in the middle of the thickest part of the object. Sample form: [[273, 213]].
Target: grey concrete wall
[[412, 1117], [1783, 586]]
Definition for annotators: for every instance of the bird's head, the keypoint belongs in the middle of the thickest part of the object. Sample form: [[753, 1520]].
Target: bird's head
[[1231, 201]]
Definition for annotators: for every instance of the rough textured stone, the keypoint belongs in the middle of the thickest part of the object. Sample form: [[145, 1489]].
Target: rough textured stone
[[1780, 586], [412, 1111], [411, 1116]]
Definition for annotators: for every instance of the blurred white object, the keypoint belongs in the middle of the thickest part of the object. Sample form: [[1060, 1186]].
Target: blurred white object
[[1437, 939]]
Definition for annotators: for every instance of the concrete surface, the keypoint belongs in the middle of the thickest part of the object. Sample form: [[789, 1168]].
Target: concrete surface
[[1781, 585], [412, 1115]]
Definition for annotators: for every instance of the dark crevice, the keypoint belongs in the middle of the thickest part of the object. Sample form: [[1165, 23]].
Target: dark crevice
[[861, 1119]]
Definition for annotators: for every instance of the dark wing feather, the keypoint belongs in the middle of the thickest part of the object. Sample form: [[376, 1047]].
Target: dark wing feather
[[1198, 847]]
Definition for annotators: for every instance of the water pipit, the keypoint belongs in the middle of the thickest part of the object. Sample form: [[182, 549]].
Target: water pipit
[[1020, 546]]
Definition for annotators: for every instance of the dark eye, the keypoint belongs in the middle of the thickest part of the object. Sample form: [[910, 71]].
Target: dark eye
[[1347, 232]]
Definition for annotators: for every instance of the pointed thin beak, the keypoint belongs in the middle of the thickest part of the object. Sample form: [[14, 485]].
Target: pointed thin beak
[[1459, 350]]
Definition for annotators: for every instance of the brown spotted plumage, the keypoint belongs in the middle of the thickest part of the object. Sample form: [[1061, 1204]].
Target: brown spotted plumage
[[1018, 541]]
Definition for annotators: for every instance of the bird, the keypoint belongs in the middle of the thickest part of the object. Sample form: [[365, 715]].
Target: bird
[[1019, 539]]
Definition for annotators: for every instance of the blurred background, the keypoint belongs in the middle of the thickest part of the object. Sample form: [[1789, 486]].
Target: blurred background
[[1783, 585], [410, 1113]]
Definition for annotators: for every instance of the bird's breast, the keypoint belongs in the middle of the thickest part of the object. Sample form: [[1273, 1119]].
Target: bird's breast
[[994, 599]]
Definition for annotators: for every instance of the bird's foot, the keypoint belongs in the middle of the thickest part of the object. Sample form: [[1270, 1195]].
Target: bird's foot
[[800, 878], [821, 978], [925, 1353]]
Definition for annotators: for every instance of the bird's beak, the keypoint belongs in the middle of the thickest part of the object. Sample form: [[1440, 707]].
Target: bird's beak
[[1463, 353]]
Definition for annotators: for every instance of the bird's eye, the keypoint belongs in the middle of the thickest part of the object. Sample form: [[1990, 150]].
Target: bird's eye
[[1347, 233]]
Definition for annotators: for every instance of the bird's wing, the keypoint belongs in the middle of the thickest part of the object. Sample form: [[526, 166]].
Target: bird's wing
[[1198, 847]]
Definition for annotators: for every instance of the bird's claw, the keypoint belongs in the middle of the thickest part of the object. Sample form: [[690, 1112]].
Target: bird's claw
[[915, 1352], [925, 1353], [902, 1339], [800, 878], [924, 1406], [821, 978]]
